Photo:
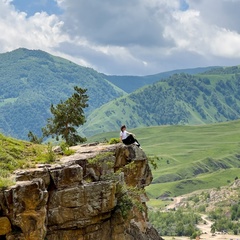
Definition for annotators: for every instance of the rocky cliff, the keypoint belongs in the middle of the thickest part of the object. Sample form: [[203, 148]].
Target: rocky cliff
[[97, 193]]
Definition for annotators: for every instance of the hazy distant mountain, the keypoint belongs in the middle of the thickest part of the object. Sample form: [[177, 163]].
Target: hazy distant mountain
[[131, 83]]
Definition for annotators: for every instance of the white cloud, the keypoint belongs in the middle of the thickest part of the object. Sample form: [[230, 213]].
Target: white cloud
[[130, 37], [226, 44], [41, 31], [120, 23], [221, 13], [153, 34], [191, 31]]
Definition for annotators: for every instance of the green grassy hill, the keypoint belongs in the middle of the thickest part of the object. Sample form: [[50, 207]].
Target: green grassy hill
[[32, 80], [190, 157], [180, 99]]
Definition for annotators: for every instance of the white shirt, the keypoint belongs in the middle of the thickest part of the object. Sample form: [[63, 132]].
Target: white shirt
[[124, 134]]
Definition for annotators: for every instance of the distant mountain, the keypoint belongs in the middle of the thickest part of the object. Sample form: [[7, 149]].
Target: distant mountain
[[31, 80], [131, 83], [179, 99]]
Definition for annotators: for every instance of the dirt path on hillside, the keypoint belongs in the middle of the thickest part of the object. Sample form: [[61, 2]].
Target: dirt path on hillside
[[205, 226], [206, 230], [206, 233], [176, 202]]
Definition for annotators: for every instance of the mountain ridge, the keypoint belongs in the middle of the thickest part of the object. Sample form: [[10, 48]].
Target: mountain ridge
[[141, 81], [179, 99], [32, 80]]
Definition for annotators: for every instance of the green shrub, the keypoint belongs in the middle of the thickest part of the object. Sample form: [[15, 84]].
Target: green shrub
[[153, 161], [65, 148], [125, 204], [68, 152], [6, 182], [128, 198], [114, 141], [51, 157], [202, 208]]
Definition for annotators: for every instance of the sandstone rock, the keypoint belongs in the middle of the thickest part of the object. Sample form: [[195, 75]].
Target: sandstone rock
[[81, 198], [5, 226], [26, 204], [57, 150], [81, 205], [66, 176], [29, 175], [138, 173], [2, 202], [15, 236]]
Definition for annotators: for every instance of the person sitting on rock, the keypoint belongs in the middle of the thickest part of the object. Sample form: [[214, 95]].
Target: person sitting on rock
[[128, 138]]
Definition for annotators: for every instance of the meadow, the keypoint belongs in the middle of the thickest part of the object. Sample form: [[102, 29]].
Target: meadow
[[189, 157]]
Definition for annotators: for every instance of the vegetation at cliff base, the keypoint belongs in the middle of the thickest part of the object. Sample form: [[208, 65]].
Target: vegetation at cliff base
[[175, 223], [226, 221]]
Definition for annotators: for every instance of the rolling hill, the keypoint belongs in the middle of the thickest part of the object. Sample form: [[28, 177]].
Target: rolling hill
[[182, 99], [31, 80], [189, 157]]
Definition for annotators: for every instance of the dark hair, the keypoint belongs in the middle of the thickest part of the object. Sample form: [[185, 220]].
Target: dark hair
[[122, 127]]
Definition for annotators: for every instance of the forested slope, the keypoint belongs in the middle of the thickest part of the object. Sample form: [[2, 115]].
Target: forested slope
[[179, 99], [32, 80]]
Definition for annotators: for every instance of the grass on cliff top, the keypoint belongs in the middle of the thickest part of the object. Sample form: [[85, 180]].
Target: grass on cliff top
[[190, 157], [17, 154]]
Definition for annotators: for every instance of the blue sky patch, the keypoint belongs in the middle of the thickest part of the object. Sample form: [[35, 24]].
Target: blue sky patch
[[183, 5], [31, 7]]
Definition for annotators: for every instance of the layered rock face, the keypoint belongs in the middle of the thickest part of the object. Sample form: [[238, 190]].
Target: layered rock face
[[97, 193]]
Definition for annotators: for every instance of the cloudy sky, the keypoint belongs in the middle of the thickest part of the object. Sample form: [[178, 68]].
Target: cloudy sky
[[126, 37]]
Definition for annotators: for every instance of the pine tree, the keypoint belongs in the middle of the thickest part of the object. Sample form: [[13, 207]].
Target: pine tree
[[66, 117]]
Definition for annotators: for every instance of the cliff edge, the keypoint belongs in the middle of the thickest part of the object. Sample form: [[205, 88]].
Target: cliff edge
[[97, 193]]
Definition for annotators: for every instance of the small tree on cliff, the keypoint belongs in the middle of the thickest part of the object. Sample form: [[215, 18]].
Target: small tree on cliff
[[66, 116]]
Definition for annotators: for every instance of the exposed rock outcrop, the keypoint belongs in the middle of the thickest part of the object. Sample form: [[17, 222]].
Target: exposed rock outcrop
[[97, 193]]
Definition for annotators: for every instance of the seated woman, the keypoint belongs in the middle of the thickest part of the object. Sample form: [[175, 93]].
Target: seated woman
[[128, 138]]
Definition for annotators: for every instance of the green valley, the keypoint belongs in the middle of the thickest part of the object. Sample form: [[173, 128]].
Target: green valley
[[189, 157]]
